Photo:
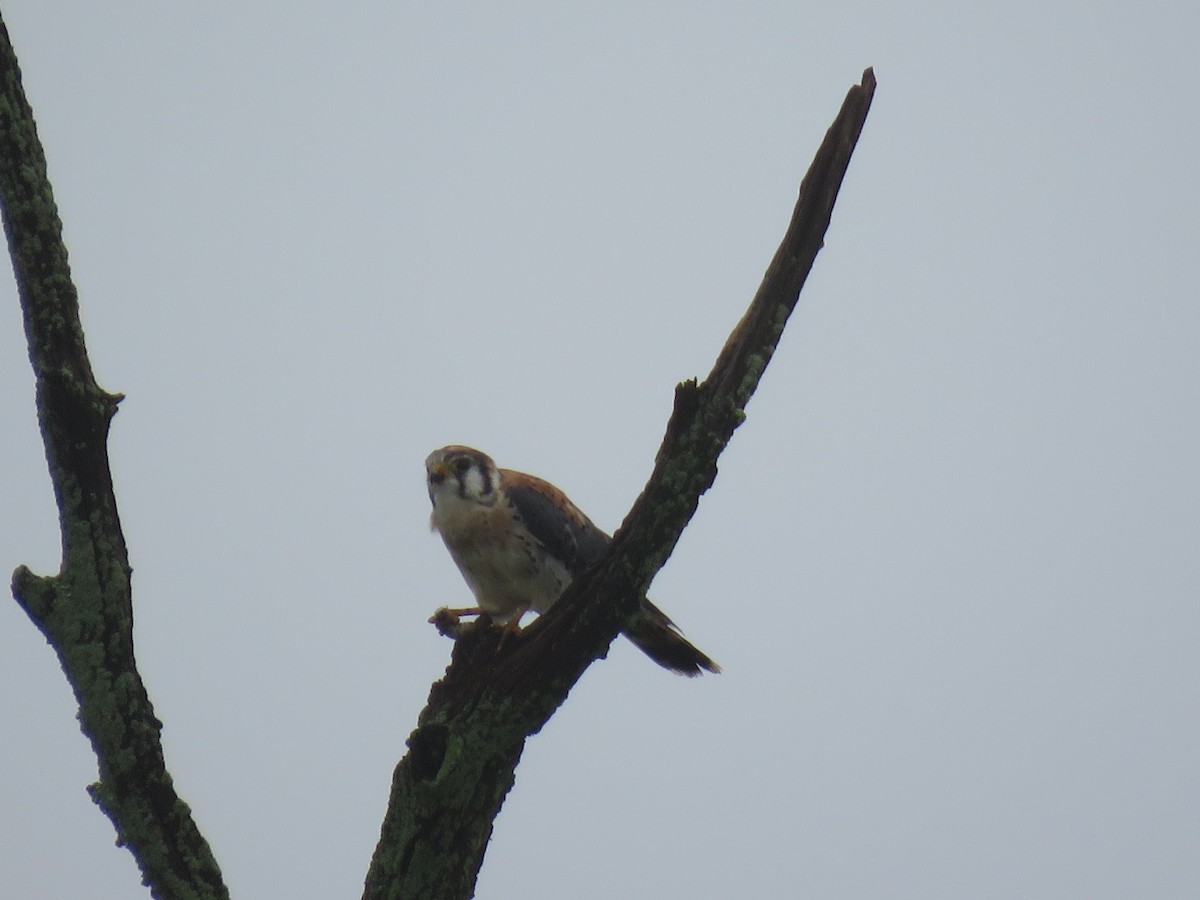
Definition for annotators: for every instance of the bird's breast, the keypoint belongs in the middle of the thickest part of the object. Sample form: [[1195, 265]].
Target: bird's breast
[[506, 569]]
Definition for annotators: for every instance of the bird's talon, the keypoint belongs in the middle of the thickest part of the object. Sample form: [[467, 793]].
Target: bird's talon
[[512, 626]]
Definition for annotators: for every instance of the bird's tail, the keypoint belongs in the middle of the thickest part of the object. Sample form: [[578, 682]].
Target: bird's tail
[[659, 638]]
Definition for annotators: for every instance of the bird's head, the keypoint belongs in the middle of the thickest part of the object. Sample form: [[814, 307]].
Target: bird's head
[[458, 475]]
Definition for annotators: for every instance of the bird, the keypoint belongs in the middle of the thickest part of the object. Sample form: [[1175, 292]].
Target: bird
[[519, 542]]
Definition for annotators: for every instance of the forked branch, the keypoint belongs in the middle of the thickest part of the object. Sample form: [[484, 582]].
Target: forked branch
[[463, 754]]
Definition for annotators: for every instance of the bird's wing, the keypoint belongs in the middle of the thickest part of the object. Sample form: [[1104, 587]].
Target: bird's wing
[[554, 521]]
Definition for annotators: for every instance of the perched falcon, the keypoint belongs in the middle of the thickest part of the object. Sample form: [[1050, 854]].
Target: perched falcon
[[519, 542]]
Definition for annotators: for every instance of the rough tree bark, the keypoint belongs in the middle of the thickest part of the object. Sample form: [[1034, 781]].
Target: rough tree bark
[[463, 754], [462, 757], [85, 610]]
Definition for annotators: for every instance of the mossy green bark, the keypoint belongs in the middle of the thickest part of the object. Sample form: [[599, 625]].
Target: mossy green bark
[[463, 754], [85, 610], [462, 757]]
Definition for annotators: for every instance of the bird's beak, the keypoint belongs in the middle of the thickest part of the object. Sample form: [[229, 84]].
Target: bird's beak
[[437, 473]]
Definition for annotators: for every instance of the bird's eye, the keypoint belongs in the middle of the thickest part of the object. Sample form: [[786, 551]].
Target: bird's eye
[[461, 465]]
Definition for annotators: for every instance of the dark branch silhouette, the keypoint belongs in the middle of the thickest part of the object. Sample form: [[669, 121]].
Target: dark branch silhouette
[[85, 610], [463, 754], [462, 757]]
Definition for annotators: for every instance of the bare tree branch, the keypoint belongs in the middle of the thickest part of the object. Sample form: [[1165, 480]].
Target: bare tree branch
[[85, 610], [462, 756]]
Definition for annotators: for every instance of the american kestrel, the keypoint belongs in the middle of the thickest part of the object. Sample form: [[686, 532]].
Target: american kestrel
[[519, 542]]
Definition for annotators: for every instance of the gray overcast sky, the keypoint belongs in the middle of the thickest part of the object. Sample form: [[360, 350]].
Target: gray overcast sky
[[950, 564]]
